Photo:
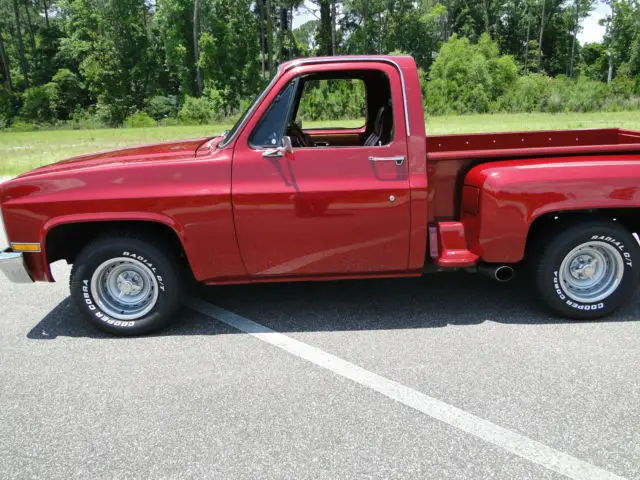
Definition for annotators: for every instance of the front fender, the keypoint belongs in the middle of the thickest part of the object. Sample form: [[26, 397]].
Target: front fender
[[514, 193], [38, 262]]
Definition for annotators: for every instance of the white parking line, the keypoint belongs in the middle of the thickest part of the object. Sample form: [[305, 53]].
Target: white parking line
[[513, 442]]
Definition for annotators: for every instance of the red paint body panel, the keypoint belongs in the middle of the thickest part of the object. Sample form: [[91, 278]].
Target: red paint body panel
[[192, 196], [330, 212], [516, 192], [451, 156]]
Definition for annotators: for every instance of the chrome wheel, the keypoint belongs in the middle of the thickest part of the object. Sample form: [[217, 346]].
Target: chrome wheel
[[591, 272], [124, 288]]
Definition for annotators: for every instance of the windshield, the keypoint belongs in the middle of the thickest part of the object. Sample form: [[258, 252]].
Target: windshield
[[228, 136]]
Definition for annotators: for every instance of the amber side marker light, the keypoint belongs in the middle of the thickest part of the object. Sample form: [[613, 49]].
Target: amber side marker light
[[25, 247]]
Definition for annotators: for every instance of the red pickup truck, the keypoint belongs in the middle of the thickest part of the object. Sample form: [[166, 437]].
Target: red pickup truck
[[271, 201]]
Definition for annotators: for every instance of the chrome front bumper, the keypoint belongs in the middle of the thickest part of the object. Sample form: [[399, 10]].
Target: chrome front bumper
[[12, 264]]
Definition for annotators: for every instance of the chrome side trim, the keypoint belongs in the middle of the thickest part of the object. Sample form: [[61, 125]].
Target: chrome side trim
[[356, 58], [12, 264]]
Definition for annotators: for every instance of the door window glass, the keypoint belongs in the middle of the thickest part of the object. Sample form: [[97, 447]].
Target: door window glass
[[336, 103]]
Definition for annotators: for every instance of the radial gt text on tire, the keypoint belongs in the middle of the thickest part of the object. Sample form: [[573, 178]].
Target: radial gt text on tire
[[588, 269], [126, 286]]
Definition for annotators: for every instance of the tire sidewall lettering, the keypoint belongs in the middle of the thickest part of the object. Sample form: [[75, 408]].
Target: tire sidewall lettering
[[626, 256], [103, 317], [149, 265], [559, 292]]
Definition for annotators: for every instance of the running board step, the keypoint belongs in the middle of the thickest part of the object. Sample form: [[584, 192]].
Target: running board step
[[448, 246]]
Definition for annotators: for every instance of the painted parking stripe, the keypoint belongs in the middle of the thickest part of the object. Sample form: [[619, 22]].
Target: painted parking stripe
[[513, 442]]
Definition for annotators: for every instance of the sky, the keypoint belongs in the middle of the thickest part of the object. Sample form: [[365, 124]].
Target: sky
[[591, 31]]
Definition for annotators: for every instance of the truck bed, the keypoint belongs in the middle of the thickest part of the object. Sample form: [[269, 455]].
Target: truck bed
[[534, 144], [449, 157]]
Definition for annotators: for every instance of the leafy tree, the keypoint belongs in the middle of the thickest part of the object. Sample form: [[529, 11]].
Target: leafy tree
[[88, 61], [468, 78]]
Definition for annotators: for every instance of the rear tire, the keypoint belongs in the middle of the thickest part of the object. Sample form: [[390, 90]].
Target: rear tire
[[126, 286], [588, 270]]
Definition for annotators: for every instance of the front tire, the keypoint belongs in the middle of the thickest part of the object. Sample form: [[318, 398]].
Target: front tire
[[589, 270], [126, 286]]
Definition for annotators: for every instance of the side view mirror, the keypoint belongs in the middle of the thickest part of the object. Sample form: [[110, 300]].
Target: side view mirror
[[286, 144], [286, 147]]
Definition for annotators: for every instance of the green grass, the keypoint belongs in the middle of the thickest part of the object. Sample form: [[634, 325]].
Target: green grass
[[22, 151]]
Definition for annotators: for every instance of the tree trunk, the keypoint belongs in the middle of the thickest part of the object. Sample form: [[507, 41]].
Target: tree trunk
[[526, 48], [485, 16], [23, 60], [5, 65], [365, 25], [267, 13], [32, 36], [544, 4], [333, 27], [573, 42], [325, 27], [46, 12], [282, 31], [609, 52], [196, 47], [263, 46]]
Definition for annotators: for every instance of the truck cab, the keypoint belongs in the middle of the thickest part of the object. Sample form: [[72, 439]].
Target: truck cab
[[340, 198]]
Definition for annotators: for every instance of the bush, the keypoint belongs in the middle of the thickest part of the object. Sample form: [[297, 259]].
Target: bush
[[9, 106], [468, 78], [623, 85], [196, 111], [169, 122], [37, 103], [160, 107], [68, 93], [218, 102], [21, 126], [113, 114], [139, 120], [526, 95], [539, 93], [82, 119]]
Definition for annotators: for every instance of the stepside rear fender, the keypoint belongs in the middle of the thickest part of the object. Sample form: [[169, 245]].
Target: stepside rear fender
[[501, 200]]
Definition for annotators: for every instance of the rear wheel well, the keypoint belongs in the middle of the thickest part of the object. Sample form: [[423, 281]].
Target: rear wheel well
[[550, 223], [67, 241]]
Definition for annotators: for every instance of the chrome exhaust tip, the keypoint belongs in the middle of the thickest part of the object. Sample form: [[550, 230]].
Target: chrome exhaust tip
[[500, 273]]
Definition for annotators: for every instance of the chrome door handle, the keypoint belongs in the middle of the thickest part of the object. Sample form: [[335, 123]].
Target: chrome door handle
[[399, 160], [273, 152]]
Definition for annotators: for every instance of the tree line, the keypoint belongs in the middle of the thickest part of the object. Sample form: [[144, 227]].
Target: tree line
[[138, 62]]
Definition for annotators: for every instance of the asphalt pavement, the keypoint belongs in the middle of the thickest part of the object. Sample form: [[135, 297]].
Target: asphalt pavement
[[204, 399]]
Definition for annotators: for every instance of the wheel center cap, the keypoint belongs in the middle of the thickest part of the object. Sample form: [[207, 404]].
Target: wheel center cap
[[129, 285], [125, 288], [589, 271], [584, 272]]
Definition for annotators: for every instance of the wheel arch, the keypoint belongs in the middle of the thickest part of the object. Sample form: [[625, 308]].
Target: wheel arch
[[550, 222], [63, 238]]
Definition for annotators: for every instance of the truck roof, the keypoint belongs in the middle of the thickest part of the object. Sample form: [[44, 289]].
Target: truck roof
[[402, 61]]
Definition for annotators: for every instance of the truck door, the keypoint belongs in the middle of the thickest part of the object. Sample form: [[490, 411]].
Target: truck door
[[321, 208]]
